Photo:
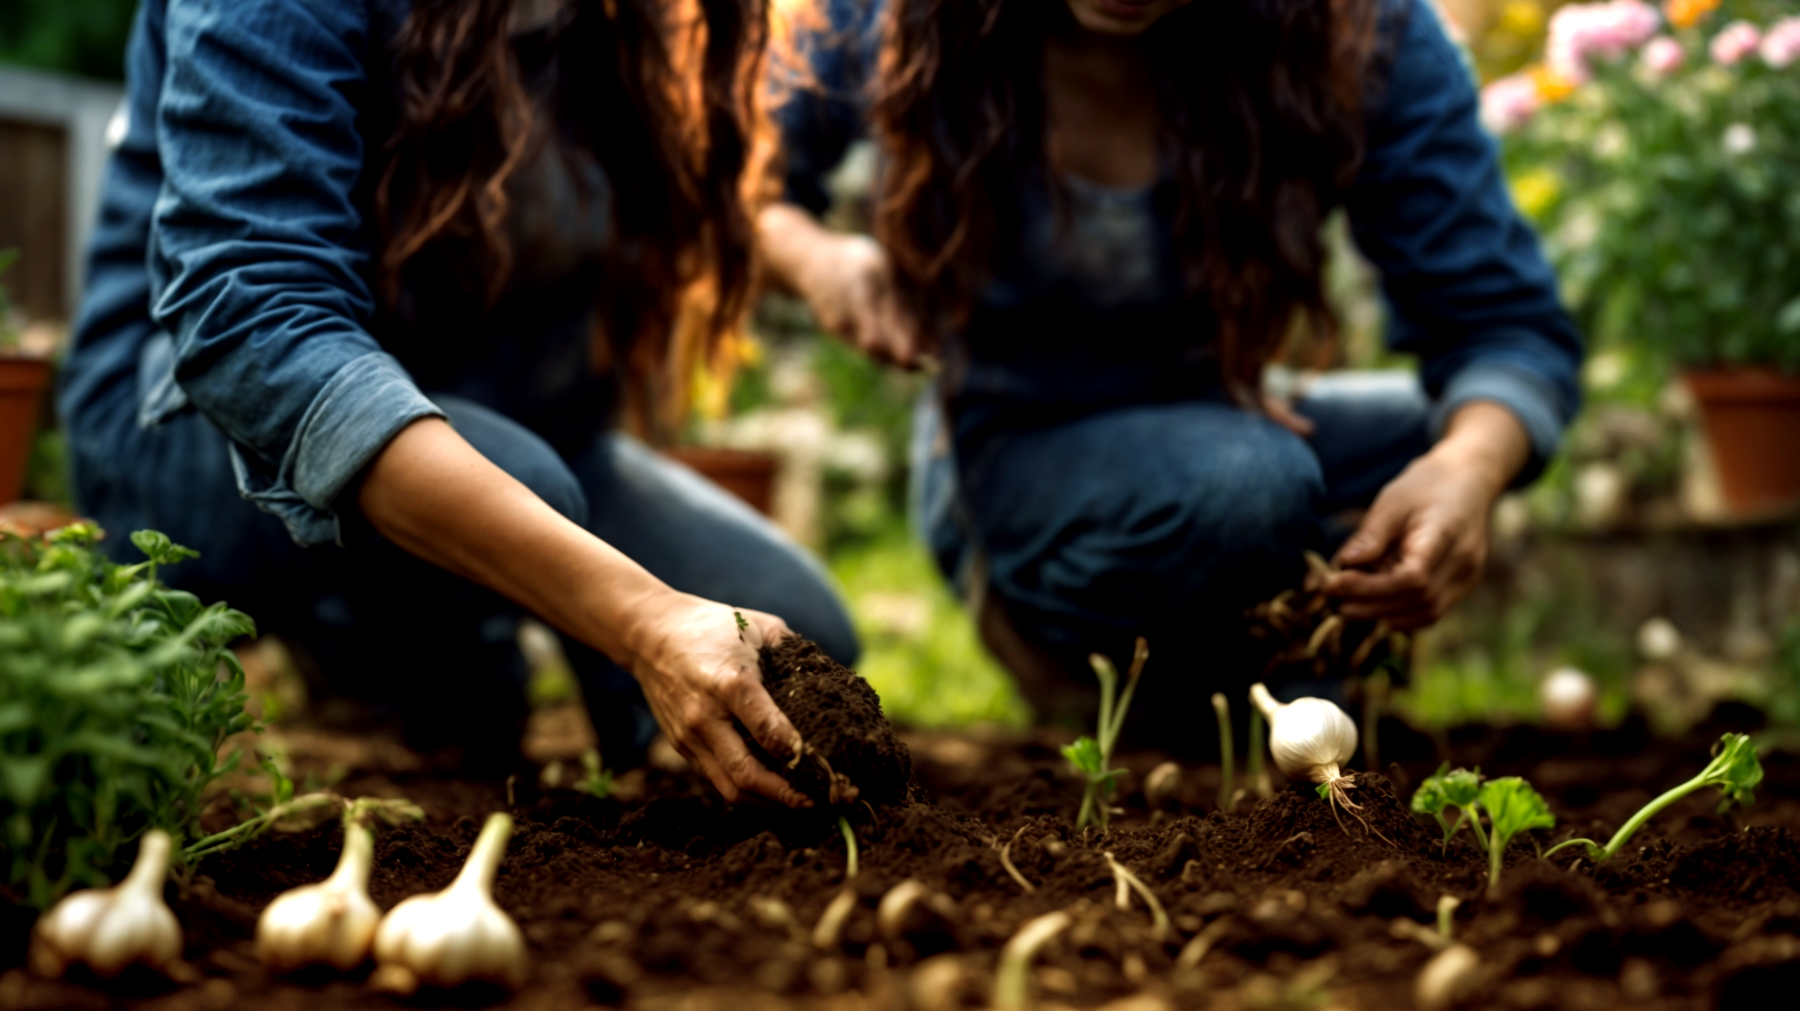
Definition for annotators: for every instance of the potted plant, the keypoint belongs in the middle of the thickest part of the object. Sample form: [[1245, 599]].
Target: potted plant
[[1659, 151], [23, 378]]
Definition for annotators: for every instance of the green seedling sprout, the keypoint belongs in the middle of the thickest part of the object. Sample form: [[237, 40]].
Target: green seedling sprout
[[1259, 780], [1451, 788], [1513, 807], [596, 780], [1092, 757], [849, 847], [742, 625], [1734, 769], [1227, 756]]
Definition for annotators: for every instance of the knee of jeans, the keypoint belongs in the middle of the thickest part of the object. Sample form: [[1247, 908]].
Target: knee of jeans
[[521, 453], [1260, 495]]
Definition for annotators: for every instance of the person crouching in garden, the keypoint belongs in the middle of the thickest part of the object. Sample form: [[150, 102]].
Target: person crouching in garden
[[371, 283], [1103, 217]]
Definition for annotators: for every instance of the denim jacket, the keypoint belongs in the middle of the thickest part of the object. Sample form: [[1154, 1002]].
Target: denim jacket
[[230, 269], [1467, 288]]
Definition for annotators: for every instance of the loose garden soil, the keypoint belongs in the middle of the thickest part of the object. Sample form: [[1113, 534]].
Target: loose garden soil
[[665, 897]]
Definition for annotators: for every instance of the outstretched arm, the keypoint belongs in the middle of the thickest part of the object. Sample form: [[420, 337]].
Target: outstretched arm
[[433, 494]]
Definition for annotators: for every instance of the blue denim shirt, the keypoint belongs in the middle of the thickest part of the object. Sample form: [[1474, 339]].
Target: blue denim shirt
[[1468, 289], [229, 270]]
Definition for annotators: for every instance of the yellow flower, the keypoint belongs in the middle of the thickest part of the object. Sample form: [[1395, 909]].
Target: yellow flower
[[1535, 191], [1687, 13], [1551, 86], [1521, 17]]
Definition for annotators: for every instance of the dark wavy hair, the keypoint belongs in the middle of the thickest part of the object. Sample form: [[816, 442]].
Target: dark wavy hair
[[662, 92], [1261, 126]]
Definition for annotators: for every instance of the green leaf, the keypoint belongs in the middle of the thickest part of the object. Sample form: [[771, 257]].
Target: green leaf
[[1514, 807], [25, 776], [1084, 755], [1462, 787], [158, 548], [1735, 770]]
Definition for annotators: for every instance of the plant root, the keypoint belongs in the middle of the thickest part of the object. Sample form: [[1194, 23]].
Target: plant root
[[1006, 862], [1339, 794], [1158, 915], [1297, 837]]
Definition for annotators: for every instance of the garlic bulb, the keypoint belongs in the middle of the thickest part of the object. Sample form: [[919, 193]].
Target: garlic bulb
[[330, 923], [457, 935], [1568, 697], [110, 929], [1310, 738]]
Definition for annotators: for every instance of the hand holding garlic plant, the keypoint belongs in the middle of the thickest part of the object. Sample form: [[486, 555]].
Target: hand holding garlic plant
[[112, 929]]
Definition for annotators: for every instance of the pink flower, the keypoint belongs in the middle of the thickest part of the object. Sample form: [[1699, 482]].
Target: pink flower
[[1781, 46], [1663, 56], [1736, 41], [1581, 32], [1509, 103]]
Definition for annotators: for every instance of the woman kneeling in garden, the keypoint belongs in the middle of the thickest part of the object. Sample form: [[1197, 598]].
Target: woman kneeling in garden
[[1104, 218], [371, 282]]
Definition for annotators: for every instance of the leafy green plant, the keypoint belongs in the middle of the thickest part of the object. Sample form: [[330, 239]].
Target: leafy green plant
[[1092, 757], [1734, 769], [1448, 788], [596, 780], [115, 694], [1513, 807], [7, 337]]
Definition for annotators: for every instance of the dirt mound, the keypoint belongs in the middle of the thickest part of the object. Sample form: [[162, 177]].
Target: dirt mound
[[849, 751]]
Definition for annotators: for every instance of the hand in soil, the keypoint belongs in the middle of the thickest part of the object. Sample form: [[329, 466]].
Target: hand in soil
[[1426, 534], [701, 676]]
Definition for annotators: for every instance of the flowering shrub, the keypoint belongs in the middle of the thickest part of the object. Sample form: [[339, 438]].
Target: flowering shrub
[[1659, 151]]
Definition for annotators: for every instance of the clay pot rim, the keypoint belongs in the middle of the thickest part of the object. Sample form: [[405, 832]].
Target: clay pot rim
[[29, 374], [1744, 383]]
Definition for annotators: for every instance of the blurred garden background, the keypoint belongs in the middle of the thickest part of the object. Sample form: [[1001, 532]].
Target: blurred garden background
[[1663, 167]]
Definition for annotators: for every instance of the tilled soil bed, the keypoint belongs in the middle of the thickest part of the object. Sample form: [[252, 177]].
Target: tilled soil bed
[[672, 899]]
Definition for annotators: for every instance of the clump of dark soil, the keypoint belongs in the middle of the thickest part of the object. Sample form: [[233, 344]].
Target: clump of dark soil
[[849, 751]]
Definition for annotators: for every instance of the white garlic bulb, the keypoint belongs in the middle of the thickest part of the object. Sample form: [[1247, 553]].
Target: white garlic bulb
[[457, 935], [330, 923], [1569, 697], [110, 929], [1310, 738]]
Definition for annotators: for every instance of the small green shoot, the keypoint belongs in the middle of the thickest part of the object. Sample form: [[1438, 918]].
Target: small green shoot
[[1446, 915], [1513, 807], [1091, 757], [742, 625], [1227, 753], [1447, 788], [850, 867], [1259, 780], [596, 780], [1734, 769]]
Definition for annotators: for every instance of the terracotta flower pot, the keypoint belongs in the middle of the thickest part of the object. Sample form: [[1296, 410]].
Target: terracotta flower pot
[[746, 474], [1752, 421], [22, 384]]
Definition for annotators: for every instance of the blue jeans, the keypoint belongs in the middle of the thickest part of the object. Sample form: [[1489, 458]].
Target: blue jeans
[[1164, 520], [427, 648]]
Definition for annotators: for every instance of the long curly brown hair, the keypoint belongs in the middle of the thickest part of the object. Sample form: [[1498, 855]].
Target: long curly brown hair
[[663, 93], [1260, 104]]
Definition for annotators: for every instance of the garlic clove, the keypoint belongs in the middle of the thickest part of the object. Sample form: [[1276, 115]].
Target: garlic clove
[[1569, 699], [112, 929], [330, 923], [458, 935], [1309, 738]]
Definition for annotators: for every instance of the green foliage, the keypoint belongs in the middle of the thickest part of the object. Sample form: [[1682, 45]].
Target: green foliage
[[1734, 769], [596, 780], [1447, 788], [72, 36], [1669, 205], [1091, 757], [115, 694], [1513, 807], [7, 338]]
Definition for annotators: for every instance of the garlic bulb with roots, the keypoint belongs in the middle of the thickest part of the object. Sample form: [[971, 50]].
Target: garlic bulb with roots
[[457, 935], [1311, 739], [329, 923], [111, 929]]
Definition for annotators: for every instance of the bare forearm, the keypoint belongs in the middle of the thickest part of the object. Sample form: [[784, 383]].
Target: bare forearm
[[789, 238], [1488, 440], [434, 495]]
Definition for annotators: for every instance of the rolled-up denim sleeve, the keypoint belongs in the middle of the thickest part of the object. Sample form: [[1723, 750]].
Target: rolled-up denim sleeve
[[1468, 288], [258, 250], [825, 99]]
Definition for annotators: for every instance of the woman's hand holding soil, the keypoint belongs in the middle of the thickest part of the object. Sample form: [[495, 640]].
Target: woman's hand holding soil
[[701, 674], [435, 495], [1426, 536], [847, 280]]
